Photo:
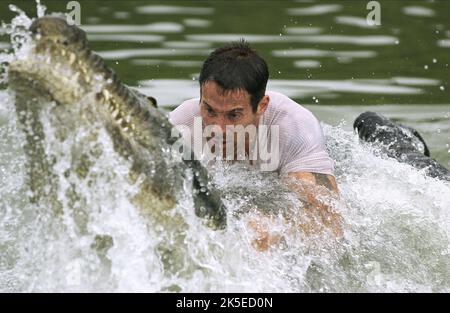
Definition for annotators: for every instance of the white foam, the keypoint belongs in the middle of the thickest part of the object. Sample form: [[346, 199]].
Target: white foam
[[196, 22], [353, 21], [334, 39], [324, 53], [416, 81], [122, 15], [300, 88], [186, 44], [302, 30], [307, 64], [162, 27], [418, 11], [4, 45], [132, 53], [169, 63], [319, 9], [162, 89], [444, 43], [125, 38], [167, 9]]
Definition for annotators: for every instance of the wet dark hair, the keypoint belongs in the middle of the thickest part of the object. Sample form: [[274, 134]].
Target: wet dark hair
[[237, 66]]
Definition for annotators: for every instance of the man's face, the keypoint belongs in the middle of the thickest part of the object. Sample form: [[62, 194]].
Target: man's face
[[221, 108]]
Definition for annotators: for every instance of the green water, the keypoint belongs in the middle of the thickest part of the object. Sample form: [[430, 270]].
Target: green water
[[321, 53], [418, 38]]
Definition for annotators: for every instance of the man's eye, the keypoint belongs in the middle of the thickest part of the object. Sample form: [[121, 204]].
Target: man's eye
[[234, 116], [210, 112]]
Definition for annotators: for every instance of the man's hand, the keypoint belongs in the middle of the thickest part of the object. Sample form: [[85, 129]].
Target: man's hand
[[317, 192], [265, 234]]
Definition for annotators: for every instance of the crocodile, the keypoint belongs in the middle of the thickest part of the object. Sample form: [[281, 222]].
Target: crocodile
[[61, 82]]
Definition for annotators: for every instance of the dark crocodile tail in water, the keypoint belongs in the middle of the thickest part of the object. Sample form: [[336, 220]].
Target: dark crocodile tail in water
[[400, 142]]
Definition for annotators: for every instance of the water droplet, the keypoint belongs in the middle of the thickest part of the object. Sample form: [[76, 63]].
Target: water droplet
[[279, 72], [117, 62], [14, 8], [397, 42], [40, 8], [425, 67], [442, 88], [434, 61]]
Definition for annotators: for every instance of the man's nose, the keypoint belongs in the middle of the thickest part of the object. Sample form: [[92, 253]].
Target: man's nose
[[221, 123]]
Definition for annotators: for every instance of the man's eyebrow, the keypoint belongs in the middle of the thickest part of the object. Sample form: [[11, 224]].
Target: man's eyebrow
[[237, 110], [207, 105]]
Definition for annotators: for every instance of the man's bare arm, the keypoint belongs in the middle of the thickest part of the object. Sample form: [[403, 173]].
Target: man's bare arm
[[324, 180], [312, 189], [309, 187]]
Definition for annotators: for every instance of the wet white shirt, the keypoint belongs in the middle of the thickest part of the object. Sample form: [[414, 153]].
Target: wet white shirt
[[300, 139]]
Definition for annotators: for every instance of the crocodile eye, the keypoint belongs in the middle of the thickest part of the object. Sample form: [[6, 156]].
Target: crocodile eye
[[152, 101]]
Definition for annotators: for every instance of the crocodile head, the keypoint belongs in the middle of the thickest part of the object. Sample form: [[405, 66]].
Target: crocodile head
[[61, 80]]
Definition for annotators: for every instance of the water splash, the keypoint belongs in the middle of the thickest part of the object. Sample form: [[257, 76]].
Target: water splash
[[397, 235], [19, 35], [40, 8], [396, 230]]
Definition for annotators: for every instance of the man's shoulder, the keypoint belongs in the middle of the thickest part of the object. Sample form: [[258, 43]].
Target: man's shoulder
[[287, 112], [185, 112], [301, 142]]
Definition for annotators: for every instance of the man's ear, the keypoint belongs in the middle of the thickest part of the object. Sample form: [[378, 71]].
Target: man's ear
[[263, 104]]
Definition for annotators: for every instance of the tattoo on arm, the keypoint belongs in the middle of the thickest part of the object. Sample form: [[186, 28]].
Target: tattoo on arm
[[324, 180]]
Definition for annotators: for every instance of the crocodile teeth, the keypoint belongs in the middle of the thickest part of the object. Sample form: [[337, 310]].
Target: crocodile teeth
[[106, 94], [115, 113], [72, 58]]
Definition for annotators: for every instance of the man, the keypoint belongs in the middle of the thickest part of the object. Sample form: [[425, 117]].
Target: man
[[233, 83]]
